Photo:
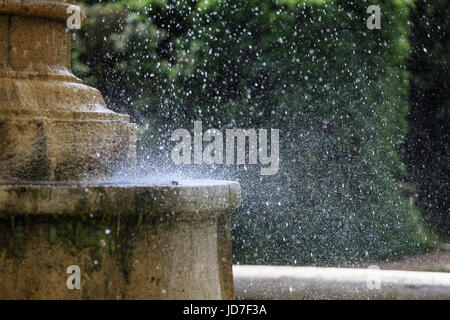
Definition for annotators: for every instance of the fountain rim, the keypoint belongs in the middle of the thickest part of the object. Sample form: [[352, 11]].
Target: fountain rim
[[204, 199]]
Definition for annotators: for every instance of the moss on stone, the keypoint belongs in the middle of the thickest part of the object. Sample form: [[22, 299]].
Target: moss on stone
[[38, 169], [74, 234], [97, 257], [52, 235]]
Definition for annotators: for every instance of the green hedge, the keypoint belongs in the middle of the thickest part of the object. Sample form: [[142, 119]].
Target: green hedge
[[336, 90]]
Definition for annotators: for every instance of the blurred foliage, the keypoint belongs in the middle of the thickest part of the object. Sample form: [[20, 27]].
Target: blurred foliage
[[427, 148], [337, 90]]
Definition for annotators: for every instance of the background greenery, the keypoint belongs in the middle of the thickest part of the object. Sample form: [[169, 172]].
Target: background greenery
[[338, 92]]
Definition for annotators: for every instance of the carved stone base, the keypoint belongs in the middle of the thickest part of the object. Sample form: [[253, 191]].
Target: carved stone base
[[130, 242]]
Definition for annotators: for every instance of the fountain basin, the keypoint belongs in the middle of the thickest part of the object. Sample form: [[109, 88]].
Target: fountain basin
[[315, 283], [165, 240]]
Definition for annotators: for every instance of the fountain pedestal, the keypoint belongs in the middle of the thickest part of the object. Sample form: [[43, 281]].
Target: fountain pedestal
[[129, 241], [146, 241], [53, 127]]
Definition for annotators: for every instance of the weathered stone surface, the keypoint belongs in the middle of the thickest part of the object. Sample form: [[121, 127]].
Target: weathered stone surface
[[131, 242], [53, 128], [4, 41], [50, 9], [42, 149], [37, 45]]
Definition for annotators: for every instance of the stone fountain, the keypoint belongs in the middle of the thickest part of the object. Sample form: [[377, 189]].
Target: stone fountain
[[59, 147]]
